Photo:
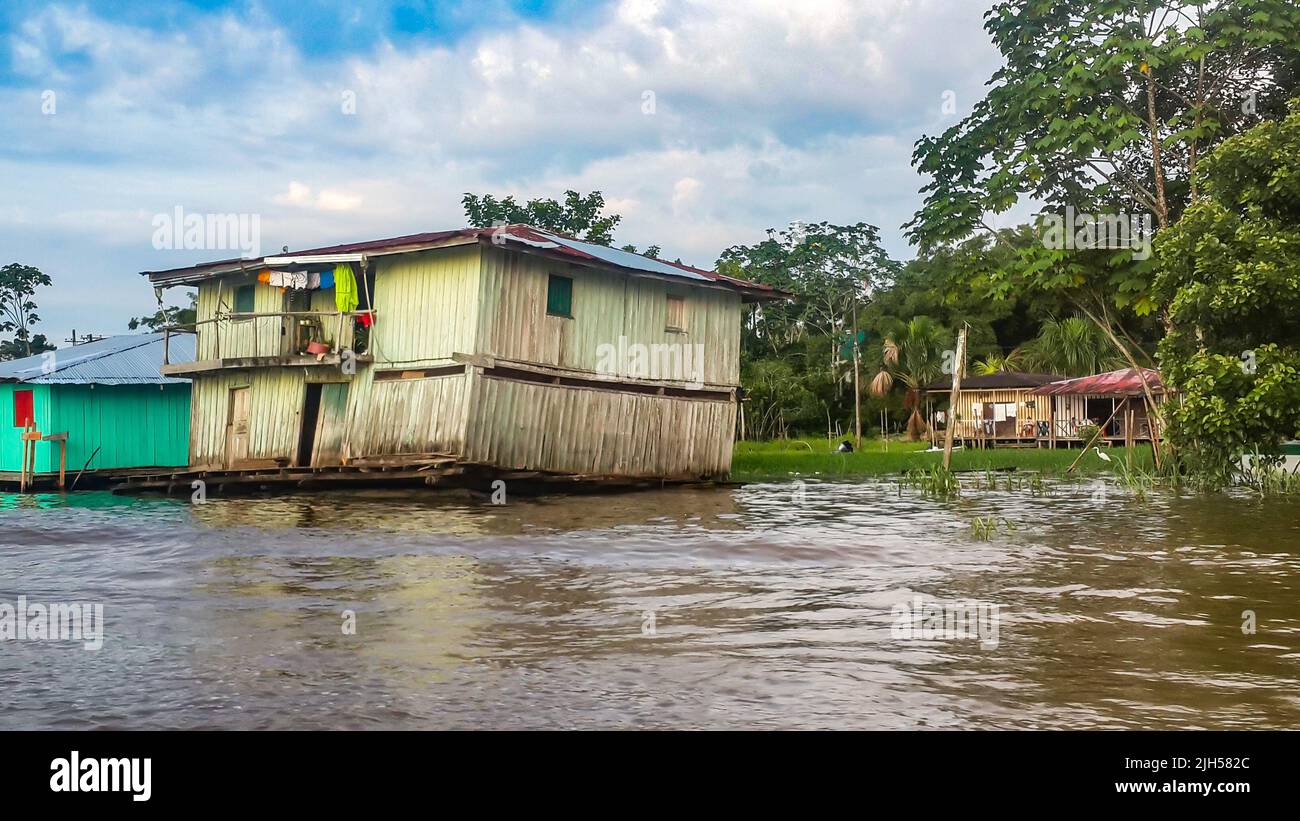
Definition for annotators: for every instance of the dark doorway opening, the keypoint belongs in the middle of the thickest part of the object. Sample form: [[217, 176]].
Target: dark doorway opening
[[310, 415], [1099, 410]]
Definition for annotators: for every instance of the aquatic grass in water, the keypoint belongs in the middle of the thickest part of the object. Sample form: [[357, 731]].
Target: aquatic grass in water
[[1267, 475], [935, 481], [984, 528]]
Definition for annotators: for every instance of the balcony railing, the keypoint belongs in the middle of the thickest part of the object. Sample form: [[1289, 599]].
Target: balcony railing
[[280, 335]]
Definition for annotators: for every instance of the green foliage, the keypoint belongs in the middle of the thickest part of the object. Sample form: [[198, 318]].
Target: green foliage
[[1230, 271], [815, 458], [18, 284], [1071, 347], [168, 316], [1088, 432], [932, 481], [913, 356], [984, 528], [577, 216], [18, 349], [1106, 107], [799, 346], [1099, 105]]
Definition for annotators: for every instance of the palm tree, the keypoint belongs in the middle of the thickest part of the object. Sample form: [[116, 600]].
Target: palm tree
[[912, 356], [1071, 347], [998, 363]]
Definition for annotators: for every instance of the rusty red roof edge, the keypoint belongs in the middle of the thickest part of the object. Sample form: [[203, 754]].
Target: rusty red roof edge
[[1123, 382]]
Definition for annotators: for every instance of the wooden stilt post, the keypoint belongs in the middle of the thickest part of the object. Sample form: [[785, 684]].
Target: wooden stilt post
[[953, 397]]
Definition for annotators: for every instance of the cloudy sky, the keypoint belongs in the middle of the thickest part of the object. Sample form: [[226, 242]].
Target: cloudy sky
[[704, 122]]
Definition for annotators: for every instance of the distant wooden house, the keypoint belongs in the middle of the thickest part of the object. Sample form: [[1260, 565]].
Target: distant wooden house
[[104, 406], [507, 351], [1115, 401], [998, 408]]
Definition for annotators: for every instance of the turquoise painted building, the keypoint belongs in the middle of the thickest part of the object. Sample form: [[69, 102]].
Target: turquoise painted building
[[108, 395]]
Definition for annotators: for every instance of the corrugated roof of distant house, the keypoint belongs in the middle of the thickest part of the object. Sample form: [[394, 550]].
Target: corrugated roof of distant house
[[995, 381], [132, 359], [518, 237], [1124, 382]]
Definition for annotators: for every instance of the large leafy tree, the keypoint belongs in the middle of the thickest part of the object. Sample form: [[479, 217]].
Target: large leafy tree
[[1230, 271], [1106, 104], [1106, 108], [831, 269], [14, 349], [577, 215], [18, 284]]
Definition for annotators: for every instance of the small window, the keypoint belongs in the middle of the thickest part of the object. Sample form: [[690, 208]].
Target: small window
[[24, 414], [559, 296], [244, 299], [676, 319]]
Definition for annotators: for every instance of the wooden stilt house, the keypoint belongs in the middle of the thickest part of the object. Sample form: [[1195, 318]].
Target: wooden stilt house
[[510, 350], [1114, 401]]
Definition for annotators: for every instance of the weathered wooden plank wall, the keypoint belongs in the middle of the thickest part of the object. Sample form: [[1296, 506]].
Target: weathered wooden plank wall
[[275, 409], [1020, 397], [407, 415], [428, 306], [249, 337], [513, 323], [534, 426]]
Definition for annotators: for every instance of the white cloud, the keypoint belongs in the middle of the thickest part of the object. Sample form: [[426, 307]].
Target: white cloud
[[766, 111]]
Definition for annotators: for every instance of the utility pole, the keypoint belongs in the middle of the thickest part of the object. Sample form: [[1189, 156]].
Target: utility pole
[[857, 386], [958, 365]]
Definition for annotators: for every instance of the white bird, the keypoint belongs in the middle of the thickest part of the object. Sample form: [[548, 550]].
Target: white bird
[[1103, 456]]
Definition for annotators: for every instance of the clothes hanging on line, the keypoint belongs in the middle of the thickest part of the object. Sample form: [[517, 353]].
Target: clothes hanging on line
[[345, 288]]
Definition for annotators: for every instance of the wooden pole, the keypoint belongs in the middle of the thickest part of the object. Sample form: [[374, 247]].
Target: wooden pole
[[216, 326], [957, 366], [857, 386], [22, 464], [77, 478]]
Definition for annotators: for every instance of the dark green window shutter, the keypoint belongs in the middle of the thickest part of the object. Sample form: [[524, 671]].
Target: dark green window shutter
[[244, 299], [559, 296]]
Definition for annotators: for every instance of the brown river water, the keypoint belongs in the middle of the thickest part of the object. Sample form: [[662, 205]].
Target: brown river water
[[764, 606]]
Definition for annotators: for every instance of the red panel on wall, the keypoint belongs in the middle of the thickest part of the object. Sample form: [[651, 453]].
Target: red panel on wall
[[23, 412]]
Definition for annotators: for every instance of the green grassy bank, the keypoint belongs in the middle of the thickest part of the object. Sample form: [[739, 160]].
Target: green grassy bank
[[815, 458]]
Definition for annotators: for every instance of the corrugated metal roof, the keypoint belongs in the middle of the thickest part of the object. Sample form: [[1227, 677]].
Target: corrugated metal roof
[[523, 237], [1124, 382], [545, 240], [131, 359]]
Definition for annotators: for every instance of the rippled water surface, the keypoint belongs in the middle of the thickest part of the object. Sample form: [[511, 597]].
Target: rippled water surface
[[771, 608]]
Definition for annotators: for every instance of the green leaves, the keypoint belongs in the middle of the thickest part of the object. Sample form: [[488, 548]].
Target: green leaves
[[18, 284], [1230, 271], [578, 216]]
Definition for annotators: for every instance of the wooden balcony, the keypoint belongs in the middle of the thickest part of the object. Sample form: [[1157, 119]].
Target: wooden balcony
[[262, 340]]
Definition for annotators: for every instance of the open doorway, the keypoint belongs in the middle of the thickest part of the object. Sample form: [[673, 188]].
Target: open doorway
[[310, 416], [1099, 409]]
